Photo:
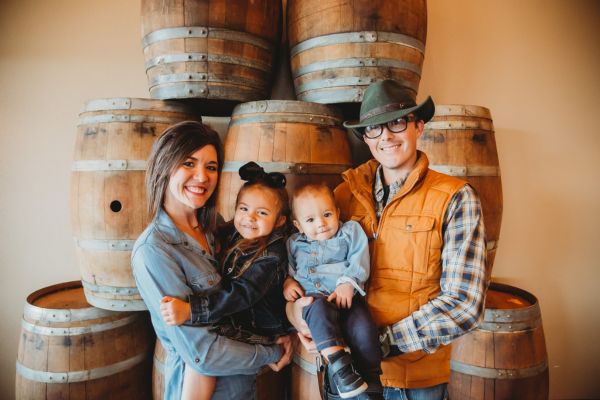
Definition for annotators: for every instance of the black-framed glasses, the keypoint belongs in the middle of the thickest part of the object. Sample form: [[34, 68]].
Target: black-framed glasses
[[396, 125]]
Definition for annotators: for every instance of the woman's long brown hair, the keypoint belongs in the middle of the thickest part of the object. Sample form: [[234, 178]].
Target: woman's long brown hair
[[175, 145]]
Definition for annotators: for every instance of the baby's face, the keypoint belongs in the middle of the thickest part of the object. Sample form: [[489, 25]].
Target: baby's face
[[316, 215]]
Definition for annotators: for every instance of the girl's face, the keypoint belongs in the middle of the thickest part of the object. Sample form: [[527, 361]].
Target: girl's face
[[194, 181], [257, 213]]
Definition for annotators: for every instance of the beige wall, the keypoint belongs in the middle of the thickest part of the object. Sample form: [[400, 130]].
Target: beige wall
[[534, 63]]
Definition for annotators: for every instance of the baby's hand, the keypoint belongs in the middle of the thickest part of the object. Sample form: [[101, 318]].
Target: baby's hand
[[343, 295], [292, 290], [174, 311]]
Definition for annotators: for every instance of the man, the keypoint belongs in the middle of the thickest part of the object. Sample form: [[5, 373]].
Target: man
[[427, 245]]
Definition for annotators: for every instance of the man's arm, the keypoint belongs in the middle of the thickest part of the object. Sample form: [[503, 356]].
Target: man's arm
[[463, 284]]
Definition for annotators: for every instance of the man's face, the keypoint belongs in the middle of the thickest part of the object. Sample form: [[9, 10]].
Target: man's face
[[396, 152]]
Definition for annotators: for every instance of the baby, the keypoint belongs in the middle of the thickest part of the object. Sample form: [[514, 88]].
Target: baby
[[329, 261]]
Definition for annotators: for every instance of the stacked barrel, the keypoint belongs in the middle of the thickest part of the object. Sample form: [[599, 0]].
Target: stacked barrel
[[70, 349], [213, 59], [459, 141], [338, 48]]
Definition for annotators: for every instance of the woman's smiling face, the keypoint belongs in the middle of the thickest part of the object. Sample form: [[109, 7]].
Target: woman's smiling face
[[194, 180]]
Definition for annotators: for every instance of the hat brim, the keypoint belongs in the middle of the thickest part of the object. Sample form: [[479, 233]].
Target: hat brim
[[423, 111]]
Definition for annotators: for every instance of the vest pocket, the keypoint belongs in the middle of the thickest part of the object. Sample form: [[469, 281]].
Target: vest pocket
[[404, 244]]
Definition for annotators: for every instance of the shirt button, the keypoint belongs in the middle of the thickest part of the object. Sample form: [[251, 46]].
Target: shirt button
[[408, 227], [196, 360], [210, 282], [311, 271], [318, 285]]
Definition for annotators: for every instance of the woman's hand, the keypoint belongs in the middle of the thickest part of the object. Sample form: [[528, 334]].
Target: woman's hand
[[294, 315], [174, 311], [288, 351], [342, 295], [292, 290]]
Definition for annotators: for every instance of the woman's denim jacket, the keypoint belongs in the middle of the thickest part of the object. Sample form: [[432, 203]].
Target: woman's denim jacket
[[320, 266], [168, 262], [253, 301]]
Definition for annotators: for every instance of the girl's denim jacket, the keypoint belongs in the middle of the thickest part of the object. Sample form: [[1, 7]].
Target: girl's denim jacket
[[252, 301], [168, 262], [319, 266]]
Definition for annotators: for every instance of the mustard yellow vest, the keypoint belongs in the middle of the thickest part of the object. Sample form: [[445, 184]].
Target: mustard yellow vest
[[405, 258]]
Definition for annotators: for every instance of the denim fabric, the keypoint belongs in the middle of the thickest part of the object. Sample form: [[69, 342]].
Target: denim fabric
[[235, 387], [253, 301], [354, 327], [320, 265], [321, 316], [166, 261], [438, 392]]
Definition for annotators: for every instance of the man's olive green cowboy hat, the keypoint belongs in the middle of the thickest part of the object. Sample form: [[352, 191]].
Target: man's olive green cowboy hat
[[384, 101]]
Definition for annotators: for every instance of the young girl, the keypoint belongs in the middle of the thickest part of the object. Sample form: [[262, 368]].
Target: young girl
[[329, 261], [249, 305]]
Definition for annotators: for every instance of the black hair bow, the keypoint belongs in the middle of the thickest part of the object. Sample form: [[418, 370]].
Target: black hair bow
[[252, 172]]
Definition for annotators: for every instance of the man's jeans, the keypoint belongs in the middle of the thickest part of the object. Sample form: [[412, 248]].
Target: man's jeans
[[438, 392]]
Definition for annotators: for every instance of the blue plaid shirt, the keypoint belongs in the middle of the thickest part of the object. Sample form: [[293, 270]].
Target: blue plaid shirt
[[459, 306]]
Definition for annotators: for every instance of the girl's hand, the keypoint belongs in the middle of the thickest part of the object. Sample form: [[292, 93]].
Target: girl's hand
[[174, 311], [342, 295], [292, 290]]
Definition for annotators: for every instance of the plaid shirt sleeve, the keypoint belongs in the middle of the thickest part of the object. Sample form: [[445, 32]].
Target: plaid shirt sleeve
[[459, 306]]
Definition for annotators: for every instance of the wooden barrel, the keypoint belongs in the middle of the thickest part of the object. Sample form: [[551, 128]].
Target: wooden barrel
[[69, 349], [215, 49], [505, 357], [108, 196], [270, 385], [305, 365], [459, 140], [339, 47], [304, 141]]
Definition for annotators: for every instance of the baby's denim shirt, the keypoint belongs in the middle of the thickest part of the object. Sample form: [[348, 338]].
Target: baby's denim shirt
[[320, 265]]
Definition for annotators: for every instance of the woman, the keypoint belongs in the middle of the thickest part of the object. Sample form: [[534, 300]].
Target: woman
[[174, 256]]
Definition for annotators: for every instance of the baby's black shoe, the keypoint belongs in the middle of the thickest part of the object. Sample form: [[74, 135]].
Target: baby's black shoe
[[346, 381]]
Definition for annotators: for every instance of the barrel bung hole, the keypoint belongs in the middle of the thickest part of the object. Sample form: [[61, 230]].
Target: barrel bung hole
[[116, 206]]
